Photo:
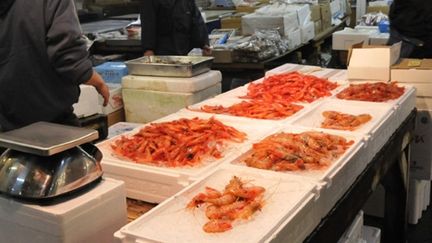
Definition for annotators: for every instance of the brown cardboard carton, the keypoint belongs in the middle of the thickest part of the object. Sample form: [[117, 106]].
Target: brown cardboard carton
[[315, 10]]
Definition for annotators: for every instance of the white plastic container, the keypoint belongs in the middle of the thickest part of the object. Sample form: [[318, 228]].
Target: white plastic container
[[155, 184], [314, 117], [170, 221], [149, 98], [90, 217]]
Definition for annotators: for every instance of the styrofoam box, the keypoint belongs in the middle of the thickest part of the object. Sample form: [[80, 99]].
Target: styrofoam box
[[81, 219], [314, 117], [285, 23], [155, 184], [354, 232], [226, 102], [146, 105], [121, 127], [335, 179], [401, 109], [371, 234], [307, 31], [88, 102], [242, 91], [172, 84], [170, 221], [294, 39]]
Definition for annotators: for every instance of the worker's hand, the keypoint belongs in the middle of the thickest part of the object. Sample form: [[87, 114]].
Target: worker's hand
[[97, 82], [206, 50], [149, 53]]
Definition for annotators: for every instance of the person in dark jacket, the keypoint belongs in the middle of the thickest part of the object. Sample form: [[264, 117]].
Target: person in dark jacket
[[411, 23], [43, 61], [172, 27]]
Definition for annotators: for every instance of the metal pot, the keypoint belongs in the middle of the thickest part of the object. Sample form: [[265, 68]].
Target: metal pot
[[29, 176]]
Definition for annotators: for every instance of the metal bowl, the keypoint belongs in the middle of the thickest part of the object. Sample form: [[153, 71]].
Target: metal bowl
[[28, 176]]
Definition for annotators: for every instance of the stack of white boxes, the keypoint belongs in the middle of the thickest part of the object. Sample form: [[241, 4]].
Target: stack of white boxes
[[418, 73], [147, 98], [292, 20]]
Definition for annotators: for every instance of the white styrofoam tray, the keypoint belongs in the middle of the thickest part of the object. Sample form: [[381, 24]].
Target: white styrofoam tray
[[170, 221], [172, 84], [226, 102], [83, 218], [336, 178], [154, 184], [314, 117], [241, 91]]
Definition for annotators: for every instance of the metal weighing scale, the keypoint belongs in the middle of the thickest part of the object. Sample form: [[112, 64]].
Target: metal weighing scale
[[46, 161]]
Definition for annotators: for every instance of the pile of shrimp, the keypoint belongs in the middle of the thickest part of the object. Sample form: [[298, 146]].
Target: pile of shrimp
[[293, 152], [342, 121], [375, 92], [238, 201], [259, 109], [178, 143], [293, 87]]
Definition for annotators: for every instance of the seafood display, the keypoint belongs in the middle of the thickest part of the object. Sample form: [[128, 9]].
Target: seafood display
[[259, 109], [238, 201], [375, 92], [178, 143], [293, 87], [292, 152], [343, 121]]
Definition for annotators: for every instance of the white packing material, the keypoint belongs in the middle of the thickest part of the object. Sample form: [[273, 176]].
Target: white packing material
[[283, 197]]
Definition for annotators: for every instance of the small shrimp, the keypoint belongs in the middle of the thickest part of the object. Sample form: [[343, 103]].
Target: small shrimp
[[225, 211], [217, 226], [202, 197], [250, 209], [225, 199]]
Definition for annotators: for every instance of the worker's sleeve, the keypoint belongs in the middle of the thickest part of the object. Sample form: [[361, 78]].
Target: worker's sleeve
[[148, 15], [67, 50], [199, 34]]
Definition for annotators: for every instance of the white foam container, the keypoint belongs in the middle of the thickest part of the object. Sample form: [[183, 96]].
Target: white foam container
[[155, 184], [314, 117], [334, 180], [371, 234], [170, 221], [172, 84], [81, 219], [226, 102]]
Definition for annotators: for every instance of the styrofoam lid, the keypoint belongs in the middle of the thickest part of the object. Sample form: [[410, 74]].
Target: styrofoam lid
[[172, 84]]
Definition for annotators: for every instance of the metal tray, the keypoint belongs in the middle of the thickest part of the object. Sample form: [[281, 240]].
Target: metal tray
[[169, 66], [45, 139]]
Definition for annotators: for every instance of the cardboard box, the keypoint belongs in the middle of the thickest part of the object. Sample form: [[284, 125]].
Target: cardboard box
[[421, 152], [318, 27], [249, 8], [372, 62], [376, 9], [285, 24], [326, 17], [344, 39], [315, 12], [222, 56], [307, 32], [115, 117], [232, 22], [412, 71], [423, 103]]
